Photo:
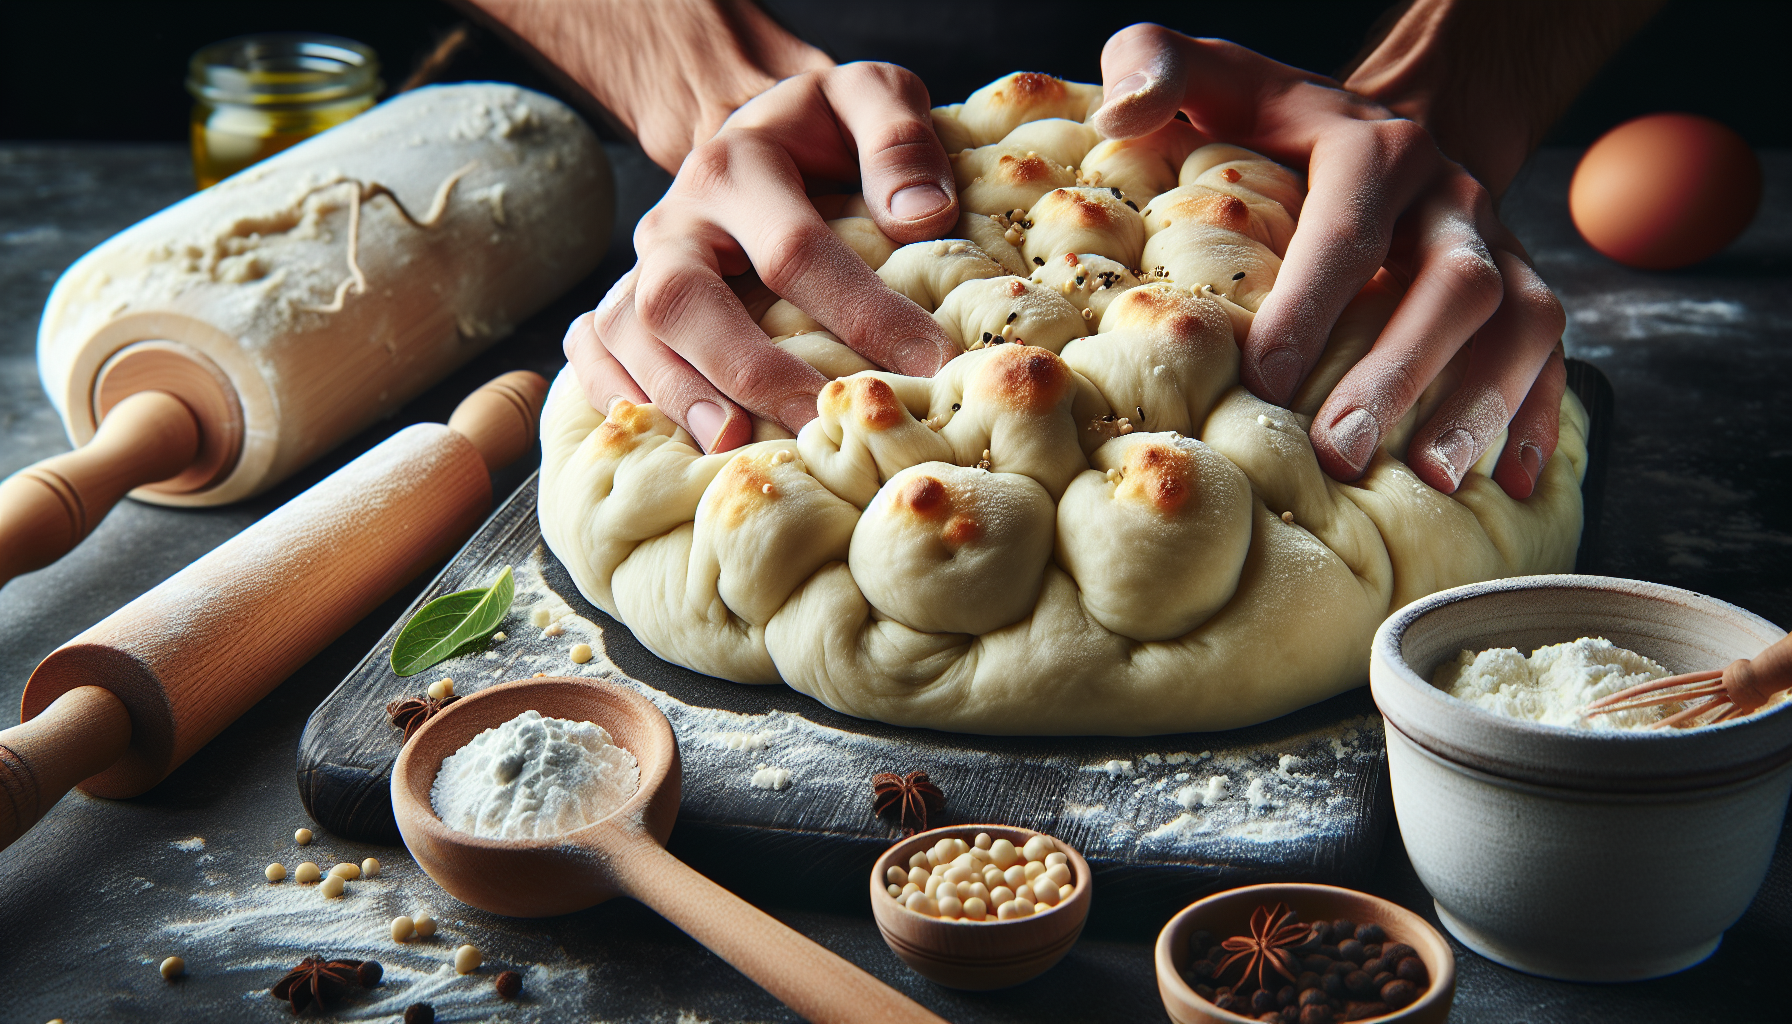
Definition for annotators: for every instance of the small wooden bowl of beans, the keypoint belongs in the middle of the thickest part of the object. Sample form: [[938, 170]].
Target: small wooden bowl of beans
[[980, 906], [1355, 933]]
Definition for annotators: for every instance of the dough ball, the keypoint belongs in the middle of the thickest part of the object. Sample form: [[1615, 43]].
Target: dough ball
[[999, 178], [993, 111], [1142, 167], [1015, 413], [1161, 359], [1196, 255], [1155, 534], [948, 549], [927, 272], [999, 309], [866, 430], [1091, 282], [1079, 220]]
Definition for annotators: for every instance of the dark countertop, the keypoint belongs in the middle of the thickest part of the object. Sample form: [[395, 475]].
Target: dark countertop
[[1699, 495]]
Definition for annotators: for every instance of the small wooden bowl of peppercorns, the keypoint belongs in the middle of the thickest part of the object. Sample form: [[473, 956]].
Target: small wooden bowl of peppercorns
[[1303, 954]]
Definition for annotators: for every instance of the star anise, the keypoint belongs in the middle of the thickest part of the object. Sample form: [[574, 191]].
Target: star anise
[[1272, 934], [410, 714], [313, 979], [906, 801]]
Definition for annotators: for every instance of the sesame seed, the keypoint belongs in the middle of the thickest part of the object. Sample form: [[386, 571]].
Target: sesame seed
[[1238, 276], [1012, 316], [1037, 262]]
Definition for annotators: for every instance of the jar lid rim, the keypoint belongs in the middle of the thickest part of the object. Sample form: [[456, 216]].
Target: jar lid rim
[[283, 68]]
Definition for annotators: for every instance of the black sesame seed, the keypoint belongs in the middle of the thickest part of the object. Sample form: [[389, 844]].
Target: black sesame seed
[[1238, 276], [1134, 208], [987, 336], [1037, 262], [955, 407], [1013, 316]]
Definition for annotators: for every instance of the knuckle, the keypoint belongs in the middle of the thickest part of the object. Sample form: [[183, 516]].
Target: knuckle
[[664, 297], [789, 256]]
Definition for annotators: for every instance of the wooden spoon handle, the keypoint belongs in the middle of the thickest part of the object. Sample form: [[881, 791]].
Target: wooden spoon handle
[[81, 733], [814, 982], [46, 509]]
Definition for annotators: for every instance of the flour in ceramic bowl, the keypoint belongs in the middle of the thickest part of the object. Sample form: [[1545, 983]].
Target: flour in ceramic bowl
[[1554, 683], [532, 778]]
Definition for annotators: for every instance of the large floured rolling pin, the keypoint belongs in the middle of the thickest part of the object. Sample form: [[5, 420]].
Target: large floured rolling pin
[[124, 703], [284, 309]]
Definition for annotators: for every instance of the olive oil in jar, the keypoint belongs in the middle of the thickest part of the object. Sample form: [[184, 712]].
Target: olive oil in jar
[[257, 95]]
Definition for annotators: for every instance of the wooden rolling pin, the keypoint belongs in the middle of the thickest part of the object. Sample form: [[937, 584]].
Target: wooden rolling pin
[[119, 707], [290, 306]]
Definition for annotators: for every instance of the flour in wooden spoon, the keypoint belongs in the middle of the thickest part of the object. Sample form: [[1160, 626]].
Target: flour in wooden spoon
[[532, 778]]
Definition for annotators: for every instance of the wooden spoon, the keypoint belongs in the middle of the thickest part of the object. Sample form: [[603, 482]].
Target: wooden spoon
[[622, 855]]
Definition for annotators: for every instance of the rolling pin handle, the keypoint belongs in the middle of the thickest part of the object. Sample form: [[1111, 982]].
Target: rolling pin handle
[[47, 508], [502, 417], [79, 735]]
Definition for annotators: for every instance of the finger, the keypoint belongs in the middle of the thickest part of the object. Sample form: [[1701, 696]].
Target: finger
[[1531, 439], [907, 180], [1145, 78], [1364, 176], [1457, 286], [603, 379], [754, 204], [1504, 360], [684, 305], [679, 390]]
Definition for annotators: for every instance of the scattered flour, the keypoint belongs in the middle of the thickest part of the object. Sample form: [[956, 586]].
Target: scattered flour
[[1554, 683], [193, 845], [534, 777], [767, 777]]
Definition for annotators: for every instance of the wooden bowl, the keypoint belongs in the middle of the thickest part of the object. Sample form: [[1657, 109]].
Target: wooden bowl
[[978, 954], [536, 877], [1546, 847], [1229, 913]]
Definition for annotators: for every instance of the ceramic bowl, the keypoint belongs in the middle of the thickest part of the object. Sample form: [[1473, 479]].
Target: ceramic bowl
[[1569, 853], [978, 954], [1229, 913]]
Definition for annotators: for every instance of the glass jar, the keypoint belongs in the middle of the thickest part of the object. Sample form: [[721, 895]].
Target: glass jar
[[257, 95]]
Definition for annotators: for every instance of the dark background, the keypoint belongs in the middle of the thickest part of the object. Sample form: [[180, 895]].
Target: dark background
[[88, 69]]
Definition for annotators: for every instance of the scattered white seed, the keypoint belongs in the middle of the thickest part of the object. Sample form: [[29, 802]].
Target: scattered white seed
[[302, 837], [306, 873], [1287, 517], [173, 967], [403, 928], [581, 653], [554, 630], [275, 872], [541, 616], [442, 689], [369, 868], [331, 886], [425, 925], [467, 960], [500, 635], [347, 872]]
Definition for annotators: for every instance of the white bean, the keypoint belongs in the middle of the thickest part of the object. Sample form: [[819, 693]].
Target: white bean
[[919, 860], [977, 891], [896, 876], [999, 895], [895, 890], [976, 909], [1037, 847], [922, 903], [1015, 876], [983, 841], [1002, 853], [1056, 857], [907, 889], [1007, 911], [467, 960], [402, 928], [331, 886], [919, 876], [1059, 873], [1033, 870], [1045, 891], [951, 906]]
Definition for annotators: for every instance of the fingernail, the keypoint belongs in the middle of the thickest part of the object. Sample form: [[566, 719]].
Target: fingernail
[[1531, 458], [798, 411], [706, 420], [610, 405], [916, 357], [1280, 370], [1455, 448], [917, 201], [1132, 83], [1355, 436]]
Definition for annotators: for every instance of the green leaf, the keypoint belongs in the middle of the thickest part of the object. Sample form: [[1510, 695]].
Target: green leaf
[[450, 624]]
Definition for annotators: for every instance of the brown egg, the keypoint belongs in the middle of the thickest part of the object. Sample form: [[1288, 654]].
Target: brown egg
[[1665, 190]]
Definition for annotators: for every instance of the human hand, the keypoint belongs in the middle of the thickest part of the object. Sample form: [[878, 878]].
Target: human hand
[[671, 71], [1380, 193], [676, 331]]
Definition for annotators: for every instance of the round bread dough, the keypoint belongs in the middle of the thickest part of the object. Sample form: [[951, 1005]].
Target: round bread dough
[[1083, 524]]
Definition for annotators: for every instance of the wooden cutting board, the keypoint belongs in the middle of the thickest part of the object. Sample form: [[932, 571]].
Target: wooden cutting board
[[1162, 820]]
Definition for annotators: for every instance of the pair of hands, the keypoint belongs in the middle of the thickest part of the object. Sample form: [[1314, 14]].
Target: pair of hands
[[737, 230]]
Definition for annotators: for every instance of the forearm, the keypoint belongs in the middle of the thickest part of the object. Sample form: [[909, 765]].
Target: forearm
[[1489, 77], [670, 71]]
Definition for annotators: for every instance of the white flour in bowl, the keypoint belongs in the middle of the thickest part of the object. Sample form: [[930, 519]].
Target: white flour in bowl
[[532, 778], [1555, 683]]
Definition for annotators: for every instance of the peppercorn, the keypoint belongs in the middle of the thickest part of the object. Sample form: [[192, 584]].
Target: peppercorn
[[369, 973], [1316, 1013], [510, 984], [1227, 1002], [1343, 928], [1359, 983], [1333, 984], [1202, 969], [1397, 952], [1340, 967], [1399, 992], [1263, 999], [1365, 1010], [1312, 996], [1306, 980], [1270, 1017], [1383, 978], [1377, 965], [1370, 934], [1205, 992], [1316, 963], [1412, 969], [1351, 950], [419, 1013], [1285, 995], [1329, 951]]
